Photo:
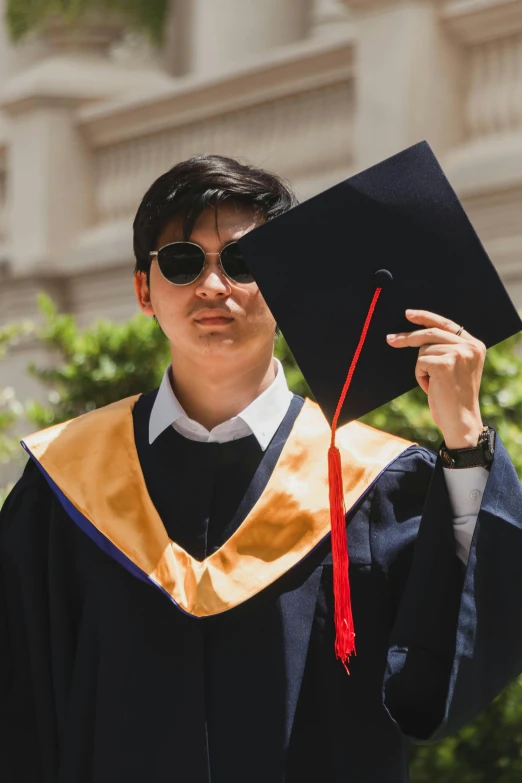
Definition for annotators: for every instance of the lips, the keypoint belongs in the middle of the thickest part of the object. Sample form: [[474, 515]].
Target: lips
[[217, 318], [214, 321]]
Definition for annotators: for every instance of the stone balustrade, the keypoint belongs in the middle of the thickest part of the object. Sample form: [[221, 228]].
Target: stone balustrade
[[494, 99], [446, 70], [294, 117], [305, 133], [491, 33], [477, 21]]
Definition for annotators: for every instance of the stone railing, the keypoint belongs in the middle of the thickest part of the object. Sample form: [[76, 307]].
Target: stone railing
[[293, 116], [486, 168], [491, 32], [281, 134], [488, 162], [293, 111], [494, 102]]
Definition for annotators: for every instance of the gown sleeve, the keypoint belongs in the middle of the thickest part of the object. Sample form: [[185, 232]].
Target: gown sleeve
[[456, 640], [37, 610]]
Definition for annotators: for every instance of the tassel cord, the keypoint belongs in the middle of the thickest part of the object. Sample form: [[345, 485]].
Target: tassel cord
[[343, 618]]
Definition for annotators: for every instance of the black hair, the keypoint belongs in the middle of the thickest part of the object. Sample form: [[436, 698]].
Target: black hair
[[187, 189]]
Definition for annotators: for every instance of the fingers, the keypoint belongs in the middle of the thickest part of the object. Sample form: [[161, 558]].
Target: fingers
[[426, 318], [422, 337], [465, 351], [438, 343], [438, 330], [448, 366], [427, 366]]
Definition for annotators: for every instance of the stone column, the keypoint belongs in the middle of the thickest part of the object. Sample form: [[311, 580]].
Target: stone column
[[50, 193], [231, 33], [409, 78], [49, 161], [330, 19]]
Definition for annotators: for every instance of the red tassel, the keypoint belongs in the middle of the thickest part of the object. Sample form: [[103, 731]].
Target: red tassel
[[344, 628]]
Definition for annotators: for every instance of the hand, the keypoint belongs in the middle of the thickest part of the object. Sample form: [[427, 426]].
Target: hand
[[449, 370]]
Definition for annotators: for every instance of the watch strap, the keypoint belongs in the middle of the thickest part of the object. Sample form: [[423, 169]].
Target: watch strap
[[480, 455]]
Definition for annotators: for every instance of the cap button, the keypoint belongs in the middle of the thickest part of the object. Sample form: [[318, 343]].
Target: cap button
[[382, 278]]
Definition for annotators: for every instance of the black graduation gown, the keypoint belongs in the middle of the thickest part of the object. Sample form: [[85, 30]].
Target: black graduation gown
[[104, 679]]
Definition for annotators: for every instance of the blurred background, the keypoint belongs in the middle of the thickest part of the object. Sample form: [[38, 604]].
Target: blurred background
[[99, 97]]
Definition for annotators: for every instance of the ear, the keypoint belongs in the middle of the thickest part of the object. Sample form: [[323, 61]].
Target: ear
[[142, 291]]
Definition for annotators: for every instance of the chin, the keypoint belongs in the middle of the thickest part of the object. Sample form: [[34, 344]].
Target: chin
[[217, 342]]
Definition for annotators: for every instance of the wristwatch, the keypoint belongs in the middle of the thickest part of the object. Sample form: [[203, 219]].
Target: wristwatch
[[479, 456]]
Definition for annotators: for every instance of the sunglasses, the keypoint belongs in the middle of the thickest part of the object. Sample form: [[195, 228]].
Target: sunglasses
[[181, 263]]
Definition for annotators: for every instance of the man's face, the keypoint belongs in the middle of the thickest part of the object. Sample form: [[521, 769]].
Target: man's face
[[213, 316]]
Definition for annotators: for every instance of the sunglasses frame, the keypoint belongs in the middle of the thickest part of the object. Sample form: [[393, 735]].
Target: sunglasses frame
[[154, 255]]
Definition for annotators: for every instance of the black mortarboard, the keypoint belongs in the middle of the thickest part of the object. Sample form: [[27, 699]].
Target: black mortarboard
[[316, 265], [398, 227]]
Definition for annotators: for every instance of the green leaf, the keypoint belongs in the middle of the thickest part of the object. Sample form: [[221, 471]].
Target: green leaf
[[26, 16], [101, 364]]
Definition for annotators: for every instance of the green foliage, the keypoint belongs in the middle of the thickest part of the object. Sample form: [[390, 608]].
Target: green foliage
[[24, 16], [10, 408], [293, 374], [489, 750], [501, 404], [96, 366]]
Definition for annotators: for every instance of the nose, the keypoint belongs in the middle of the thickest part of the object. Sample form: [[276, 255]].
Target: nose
[[213, 283]]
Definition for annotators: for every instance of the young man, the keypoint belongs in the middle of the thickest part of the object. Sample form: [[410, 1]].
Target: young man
[[166, 569]]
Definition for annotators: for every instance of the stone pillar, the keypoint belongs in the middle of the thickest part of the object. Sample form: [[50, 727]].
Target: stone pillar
[[330, 19], [409, 83], [229, 33], [49, 161], [50, 178]]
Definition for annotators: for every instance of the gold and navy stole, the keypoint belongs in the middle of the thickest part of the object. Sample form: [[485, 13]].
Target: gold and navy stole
[[92, 466]]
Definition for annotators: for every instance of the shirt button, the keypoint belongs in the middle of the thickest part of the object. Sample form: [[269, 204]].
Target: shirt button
[[474, 494]]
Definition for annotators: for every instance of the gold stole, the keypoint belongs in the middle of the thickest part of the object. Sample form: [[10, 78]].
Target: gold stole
[[288, 521]]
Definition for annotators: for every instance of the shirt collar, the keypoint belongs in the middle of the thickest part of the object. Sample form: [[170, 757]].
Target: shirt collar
[[262, 417]]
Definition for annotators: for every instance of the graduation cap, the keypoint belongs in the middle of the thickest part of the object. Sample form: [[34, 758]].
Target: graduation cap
[[338, 272]]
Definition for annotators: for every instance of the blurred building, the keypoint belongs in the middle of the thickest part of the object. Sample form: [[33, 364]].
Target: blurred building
[[313, 89]]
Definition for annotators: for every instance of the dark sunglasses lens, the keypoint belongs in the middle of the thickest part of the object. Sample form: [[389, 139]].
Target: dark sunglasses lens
[[235, 265], [181, 263]]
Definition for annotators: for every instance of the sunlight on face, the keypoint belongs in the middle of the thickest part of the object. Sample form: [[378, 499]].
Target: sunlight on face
[[214, 317]]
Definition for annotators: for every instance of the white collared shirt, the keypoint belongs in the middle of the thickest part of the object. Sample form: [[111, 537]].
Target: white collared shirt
[[262, 418]]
